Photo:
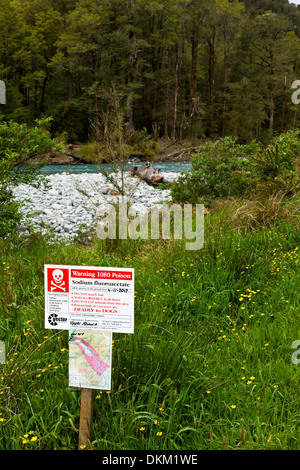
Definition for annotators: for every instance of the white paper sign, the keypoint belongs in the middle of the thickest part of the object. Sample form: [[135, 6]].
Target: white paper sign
[[89, 298]]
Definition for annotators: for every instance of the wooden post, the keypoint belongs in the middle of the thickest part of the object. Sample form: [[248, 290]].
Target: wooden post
[[86, 417]]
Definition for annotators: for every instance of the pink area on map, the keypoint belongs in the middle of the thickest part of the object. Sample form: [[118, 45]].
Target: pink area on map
[[91, 356]]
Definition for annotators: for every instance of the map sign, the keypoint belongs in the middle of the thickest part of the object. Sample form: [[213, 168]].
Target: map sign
[[90, 359], [89, 298]]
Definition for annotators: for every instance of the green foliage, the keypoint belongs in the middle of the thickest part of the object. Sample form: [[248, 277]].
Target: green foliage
[[18, 145], [209, 365], [219, 169], [10, 215], [279, 158], [143, 143], [225, 169], [187, 69], [276, 165]]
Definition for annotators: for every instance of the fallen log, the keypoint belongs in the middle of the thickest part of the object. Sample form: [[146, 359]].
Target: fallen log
[[150, 175]]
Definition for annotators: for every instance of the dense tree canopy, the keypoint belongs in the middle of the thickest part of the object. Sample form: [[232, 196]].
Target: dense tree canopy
[[184, 69]]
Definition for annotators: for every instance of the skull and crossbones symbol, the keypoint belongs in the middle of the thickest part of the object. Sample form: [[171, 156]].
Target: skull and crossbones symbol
[[57, 282]]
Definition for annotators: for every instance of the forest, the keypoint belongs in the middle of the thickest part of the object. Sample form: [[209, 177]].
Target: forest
[[184, 70]]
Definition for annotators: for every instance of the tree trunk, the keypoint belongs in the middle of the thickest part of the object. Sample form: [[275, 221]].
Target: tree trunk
[[167, 98], [182, 86], [224, 91], [211, 80], [43, 93], [175, 104], [283, 105], [272, 101], [195, 44], [132, 58]]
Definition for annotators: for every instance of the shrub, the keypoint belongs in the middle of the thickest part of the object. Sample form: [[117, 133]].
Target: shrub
[[276, 166], [225, 169], [18, 144], [219, 170]]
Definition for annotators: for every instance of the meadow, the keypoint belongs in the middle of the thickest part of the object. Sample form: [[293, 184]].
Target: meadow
[[209, 366]]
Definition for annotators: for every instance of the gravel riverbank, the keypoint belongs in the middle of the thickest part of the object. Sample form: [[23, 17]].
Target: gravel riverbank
[[71, 201]]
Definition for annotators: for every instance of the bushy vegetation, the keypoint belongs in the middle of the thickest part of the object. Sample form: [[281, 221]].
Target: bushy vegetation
[[19, 143], [224, 169]]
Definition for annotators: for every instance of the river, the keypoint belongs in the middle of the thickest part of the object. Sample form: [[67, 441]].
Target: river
[[166, 167]]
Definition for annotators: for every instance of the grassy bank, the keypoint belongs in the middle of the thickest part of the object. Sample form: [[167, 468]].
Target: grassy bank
[[208, 367]]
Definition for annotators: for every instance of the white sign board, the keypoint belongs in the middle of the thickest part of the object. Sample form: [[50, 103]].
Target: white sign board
[[89, 298]]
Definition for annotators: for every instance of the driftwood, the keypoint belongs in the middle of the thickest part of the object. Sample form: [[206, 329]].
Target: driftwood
[[150, 175], [180, 153]]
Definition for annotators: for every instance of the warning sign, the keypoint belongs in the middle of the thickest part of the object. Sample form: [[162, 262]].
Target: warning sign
[[89, 298], [58, 280]]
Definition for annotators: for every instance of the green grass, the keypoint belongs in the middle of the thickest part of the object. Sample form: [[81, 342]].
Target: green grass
[[208, 367]]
